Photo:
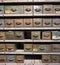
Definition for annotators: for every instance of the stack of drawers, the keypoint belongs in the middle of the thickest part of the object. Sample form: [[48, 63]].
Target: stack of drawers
[[30, 32]]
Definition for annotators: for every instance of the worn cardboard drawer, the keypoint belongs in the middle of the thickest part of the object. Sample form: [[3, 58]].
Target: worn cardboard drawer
[[9, 23], [55, 34], [18, 23], [37, 22], [2, 47], [1, 9], [28, 47], [10, 47], [35, 35], [11, 9], [47, 22], [28, 23], [55, 58], [57, 9], [27, 9], [56, 22], [1, 23], [48, 9], [2, 58], [11, 59], [19, 35], [46, 58], [46, 35], [37, 9], [44, 48], [20, 58], [9, 35], [35, 47], [2, 35], [56, 47]]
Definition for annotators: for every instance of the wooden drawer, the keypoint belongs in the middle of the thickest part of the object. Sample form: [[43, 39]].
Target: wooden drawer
[[48, 9], [2, 58], [56, 47], [9, 35], [11, 9], [10, 47], [56, 22], [28, 23], [35, 35], [19, 35], [2, 47], [47, 22], [28, 47], [9, 23], [46, 35], [18, 23], [37, 22], [44, 48], [46, 58], [20, 58]]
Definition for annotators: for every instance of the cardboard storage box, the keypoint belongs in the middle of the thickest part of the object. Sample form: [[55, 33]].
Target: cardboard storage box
[[37, 22], [20, 58], [55, 58], [47, 22], [2, 58], [46, 35], [56, 9], [28, 9], [1, 23], [56, 22], [56, 47], [37, 9], [9, 35], [46, 58], [28, 47], [18, 23], [28, 23], [19, 35], [13, 9], [2, 35], [9, 23], [2, 47], [35, 47], [10, 47], [47, 9], [10, 58], [44, 48], [55, 34], [1, 9], [35, 35]]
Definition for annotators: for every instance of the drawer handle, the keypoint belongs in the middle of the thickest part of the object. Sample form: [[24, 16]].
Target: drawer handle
[[0, 9], [57, 9], [37, 10], [46, 60], [1, 48], [42, 49], [56, 48], [47, 9], [9, 23], [19, 36], [28, 10], [10, 48], [46, 35], [1, 36], [2, 60], [27, 23], [57, 23], [13, 10], [0, 23], [35, 36], [37, 23], [47, 23], [18, 23], [27, 48]]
